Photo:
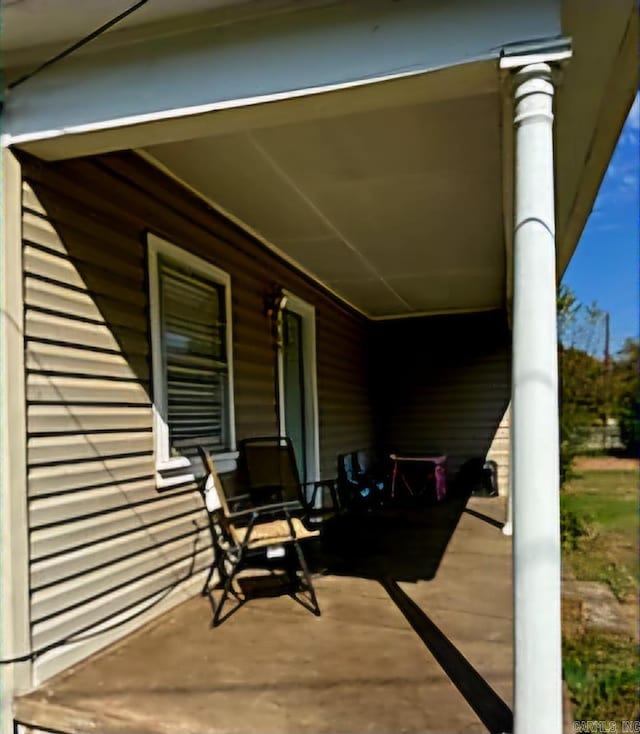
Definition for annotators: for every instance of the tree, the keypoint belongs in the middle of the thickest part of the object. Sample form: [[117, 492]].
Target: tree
[[593, 389], [584, 389], [580, 327], [625, 389]]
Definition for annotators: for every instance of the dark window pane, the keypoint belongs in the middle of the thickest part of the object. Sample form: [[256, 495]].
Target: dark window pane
[[194, 357]]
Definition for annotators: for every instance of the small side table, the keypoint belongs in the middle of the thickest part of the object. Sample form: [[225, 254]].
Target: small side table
[[439, 474]]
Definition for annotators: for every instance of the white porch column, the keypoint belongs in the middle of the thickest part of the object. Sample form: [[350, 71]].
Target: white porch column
[[507, 528], [536, 532]]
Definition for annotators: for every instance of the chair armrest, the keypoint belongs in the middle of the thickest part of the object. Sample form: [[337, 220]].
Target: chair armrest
[[239, 497], [330, 484], [319, 483], [272, 509]]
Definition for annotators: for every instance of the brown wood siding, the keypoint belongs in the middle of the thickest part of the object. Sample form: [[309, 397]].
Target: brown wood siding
[[442, 384], [103, 539]]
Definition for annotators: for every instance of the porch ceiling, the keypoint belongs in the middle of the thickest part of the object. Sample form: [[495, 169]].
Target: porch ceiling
[[398, 210]]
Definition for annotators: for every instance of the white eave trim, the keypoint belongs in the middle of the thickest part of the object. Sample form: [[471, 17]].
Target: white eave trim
[[437, 312], [179, 113]]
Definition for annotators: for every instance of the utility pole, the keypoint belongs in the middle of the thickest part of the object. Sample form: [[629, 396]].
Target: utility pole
[[607, 381], [607, 355]]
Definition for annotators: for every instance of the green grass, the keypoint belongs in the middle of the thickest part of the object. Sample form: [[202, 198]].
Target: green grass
[[607, 503], [600, 519], [611, 513], [610, 498]]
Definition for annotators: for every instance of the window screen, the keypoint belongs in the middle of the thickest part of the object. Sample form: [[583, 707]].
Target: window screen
[[193, 324]]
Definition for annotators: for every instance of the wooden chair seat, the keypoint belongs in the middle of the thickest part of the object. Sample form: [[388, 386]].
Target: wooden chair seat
[[274, 532]]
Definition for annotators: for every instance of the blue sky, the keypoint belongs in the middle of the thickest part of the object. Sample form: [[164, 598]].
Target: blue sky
[[605, 266]]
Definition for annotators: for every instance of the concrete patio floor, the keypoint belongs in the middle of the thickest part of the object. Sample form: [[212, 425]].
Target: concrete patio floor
[[387, 655]]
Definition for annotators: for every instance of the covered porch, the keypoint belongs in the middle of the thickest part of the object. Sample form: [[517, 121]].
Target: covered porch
[[415, 636], [414, 176]]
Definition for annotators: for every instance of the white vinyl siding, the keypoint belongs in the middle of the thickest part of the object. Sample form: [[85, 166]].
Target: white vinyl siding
[[104, 545]]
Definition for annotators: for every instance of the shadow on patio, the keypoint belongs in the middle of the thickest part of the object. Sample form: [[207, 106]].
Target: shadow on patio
[[403, 544], [398, 647]]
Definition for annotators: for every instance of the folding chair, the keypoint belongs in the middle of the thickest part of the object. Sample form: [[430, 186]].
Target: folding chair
[[267, 531], [271, 471]]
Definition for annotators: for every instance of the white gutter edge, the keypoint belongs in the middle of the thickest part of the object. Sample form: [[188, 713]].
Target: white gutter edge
[[7, 139]]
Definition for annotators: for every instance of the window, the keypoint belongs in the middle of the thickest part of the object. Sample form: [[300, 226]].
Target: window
[[192, 367]]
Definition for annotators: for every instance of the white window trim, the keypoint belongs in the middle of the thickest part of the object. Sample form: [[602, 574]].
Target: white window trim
[[226, 461], [307, 313]]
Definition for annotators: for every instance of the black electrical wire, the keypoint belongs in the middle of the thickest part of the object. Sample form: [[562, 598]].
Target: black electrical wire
[[82, 636], [78, 637], [74, 47]]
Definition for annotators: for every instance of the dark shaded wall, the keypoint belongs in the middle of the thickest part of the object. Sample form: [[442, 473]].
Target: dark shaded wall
[[441, 384]]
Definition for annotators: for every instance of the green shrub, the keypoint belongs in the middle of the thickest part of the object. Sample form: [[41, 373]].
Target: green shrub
[[573, 527], [601, 673]]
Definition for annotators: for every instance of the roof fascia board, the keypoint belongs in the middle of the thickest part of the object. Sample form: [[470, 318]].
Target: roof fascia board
[[277, 57], [623, 85]]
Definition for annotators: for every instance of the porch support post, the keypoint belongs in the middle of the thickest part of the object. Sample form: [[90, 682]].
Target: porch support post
[[536, 507], [507, 528]]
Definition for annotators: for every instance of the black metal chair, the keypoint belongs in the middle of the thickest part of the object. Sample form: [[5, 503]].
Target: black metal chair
[[244, 538], [271, 471]]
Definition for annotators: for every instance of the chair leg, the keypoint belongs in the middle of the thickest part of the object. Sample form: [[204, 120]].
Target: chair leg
[[315, 607], [228, 587], [205, 588], [223, 599], [291, 568]]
